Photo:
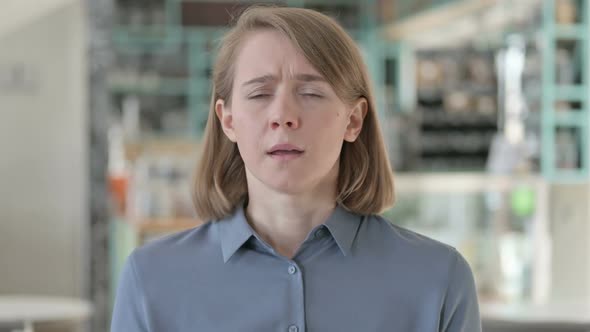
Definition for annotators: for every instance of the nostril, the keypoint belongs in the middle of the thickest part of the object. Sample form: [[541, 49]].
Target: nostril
[[287, 124]]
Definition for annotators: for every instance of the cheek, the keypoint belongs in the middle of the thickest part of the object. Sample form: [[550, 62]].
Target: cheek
[[327, 134], [330, 126], [246, 123], [248, 135]]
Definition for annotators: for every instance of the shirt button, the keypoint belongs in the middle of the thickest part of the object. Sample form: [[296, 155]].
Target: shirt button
[[293, 328], [292, 269]]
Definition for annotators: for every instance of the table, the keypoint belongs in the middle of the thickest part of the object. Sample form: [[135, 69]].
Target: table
[[28, 309]]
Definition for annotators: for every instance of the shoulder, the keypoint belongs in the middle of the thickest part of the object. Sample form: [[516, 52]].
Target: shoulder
[[419, 253], [172, 251], [404, 239]]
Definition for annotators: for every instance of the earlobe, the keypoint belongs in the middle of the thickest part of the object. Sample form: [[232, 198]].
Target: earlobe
[[356, 119], [225, 119]]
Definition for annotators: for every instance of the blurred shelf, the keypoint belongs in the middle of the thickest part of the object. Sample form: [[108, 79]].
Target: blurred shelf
[[184, 147], [161, 38], [468, 87], [573, 31], [460, 22], [330, 2], [460, 182], [432, 16], [441, 118], [570, 118], [147, 38], [570, 92], [557, 86], [452, 166], [569, 176], [153, 86], [288, 2], [454, 142], [452, 151], [162, 225]]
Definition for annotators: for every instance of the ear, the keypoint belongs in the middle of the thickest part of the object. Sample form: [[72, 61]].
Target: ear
[[355, 120], [225, 119]]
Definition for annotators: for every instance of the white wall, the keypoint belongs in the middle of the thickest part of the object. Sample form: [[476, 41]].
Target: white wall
[[570, 231], [16, 13], [43, 161]]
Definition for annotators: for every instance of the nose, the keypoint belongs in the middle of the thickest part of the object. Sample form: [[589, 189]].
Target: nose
[[284, 112]]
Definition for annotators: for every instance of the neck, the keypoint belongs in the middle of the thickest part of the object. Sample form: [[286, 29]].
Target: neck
[[285, 220]]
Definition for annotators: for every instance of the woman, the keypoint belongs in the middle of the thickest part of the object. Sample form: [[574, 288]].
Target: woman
[[292, 176]]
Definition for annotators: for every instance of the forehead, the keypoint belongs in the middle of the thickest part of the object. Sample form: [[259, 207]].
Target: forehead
[[268, 52]]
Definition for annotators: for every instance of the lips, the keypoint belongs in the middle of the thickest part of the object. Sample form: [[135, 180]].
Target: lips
[[281, 149], [285, 152]]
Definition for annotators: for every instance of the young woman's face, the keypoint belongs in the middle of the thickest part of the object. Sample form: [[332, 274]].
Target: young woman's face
[[287, 121]]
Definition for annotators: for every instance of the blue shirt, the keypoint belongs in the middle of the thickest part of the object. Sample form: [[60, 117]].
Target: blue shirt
[[352, 274]]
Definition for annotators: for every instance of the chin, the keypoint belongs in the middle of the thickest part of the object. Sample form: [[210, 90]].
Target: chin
[[290, 183], [286, 187]]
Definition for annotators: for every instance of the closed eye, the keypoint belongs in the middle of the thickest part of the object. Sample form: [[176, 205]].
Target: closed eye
[[311, 95], [259, 96]]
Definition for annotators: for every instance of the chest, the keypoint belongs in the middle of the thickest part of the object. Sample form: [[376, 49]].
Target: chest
[[295, 303]]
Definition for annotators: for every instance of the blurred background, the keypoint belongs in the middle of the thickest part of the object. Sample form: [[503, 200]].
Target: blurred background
[[484, 105]]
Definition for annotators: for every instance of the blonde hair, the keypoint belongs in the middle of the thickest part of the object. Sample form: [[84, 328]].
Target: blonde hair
[[365, 179]]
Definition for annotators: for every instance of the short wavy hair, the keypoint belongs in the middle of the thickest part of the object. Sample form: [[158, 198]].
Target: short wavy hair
[[365, 179]]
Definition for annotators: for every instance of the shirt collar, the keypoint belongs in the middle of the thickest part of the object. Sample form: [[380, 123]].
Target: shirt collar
[[234, 230], [343, 225]]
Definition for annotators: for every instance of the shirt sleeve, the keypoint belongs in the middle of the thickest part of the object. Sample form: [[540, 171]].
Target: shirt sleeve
[[130, 312], [460, 312]]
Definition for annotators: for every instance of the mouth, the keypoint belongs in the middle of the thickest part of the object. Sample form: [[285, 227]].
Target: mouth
[[285, 151], [285, 155]]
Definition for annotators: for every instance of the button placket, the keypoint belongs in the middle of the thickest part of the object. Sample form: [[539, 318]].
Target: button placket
[[296, 320]]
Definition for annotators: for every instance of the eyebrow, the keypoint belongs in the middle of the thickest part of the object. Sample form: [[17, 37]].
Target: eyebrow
[[260, 79], [299, 77]]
